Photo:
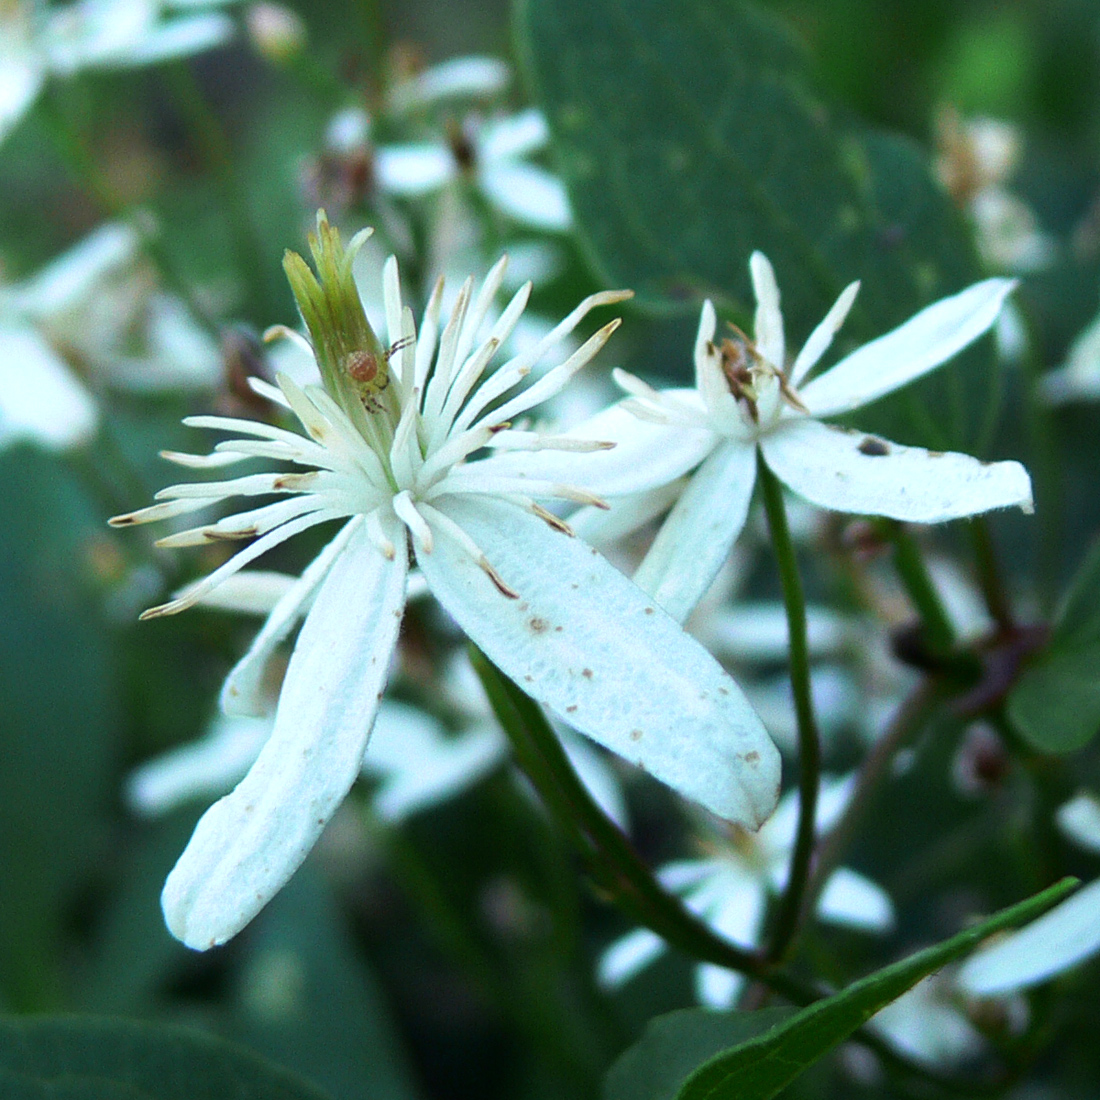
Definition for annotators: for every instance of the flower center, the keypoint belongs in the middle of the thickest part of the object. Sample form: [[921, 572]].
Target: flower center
[[759, 387]]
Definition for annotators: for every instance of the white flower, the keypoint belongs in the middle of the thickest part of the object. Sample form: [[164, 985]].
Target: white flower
[[977, 156], [473, 77], [490, 152], [1079, 377], [39, 40], [1064, 937], [730, 892], [928, 1024], [745, 401], [388, 438], [417, 763]]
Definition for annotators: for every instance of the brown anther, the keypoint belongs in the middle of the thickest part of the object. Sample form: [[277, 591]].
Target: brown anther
[[552, 520], [462, 148], [495, 577]]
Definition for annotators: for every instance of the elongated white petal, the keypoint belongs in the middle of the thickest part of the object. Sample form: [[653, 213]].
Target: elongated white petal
[[644, 456], [628, 956], [176, 38], [822, 336], [589, 644], [242, 692], [768, 324], [460, 76], [249, 843], [602, 526], [1079, 819], [756, 631], [852, 472], [529, 194], [695, 540], [206, 768], [852, 900], [924, 342], [1059, 940], [413, 170], [250, 592]]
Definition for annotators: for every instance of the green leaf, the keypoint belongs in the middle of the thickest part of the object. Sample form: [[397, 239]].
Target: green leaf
[[689, 133], [90, 1058], [58, 716], [306, 999], [1056, 703], [761, 1066], [674, 1044]]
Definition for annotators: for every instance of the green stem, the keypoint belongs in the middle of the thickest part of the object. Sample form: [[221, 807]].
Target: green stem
[[990, 579], [809, 745], [918, 584], [616, 864], [906, 723]]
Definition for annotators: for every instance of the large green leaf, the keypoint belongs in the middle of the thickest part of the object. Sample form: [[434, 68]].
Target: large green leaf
[[673, 1045], [58, 716], [704, 1055], [689, 133], [763, 1066], [89, 1058], [1056, 703]]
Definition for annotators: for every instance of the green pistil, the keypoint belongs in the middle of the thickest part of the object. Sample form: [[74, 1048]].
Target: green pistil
[[353, 363]]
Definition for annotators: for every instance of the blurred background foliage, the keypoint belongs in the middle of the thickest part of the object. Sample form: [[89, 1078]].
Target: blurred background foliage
[[452, 957]]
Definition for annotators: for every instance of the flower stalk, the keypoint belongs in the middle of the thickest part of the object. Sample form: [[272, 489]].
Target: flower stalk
[[809, 742]]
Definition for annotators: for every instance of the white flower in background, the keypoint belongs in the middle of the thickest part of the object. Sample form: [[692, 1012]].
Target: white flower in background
[[928, 1023], [976, 158], [1062, 938], [730, 892], [1078, 379], [416, 762], [471, 77], [96, 306], [745, 401], [99, 303], [491, 153], [388, 439], [41, 40]]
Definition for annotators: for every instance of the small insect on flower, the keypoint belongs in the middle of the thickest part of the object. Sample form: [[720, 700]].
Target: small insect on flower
[[370, 376]]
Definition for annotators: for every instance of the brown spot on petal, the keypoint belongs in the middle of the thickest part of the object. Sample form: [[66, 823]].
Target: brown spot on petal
[[539, 626], [752, 757], [569, 710], [649, 610], [587, 673], [635, 735], [874, 448]]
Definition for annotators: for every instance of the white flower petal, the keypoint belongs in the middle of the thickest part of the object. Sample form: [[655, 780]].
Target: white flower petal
[[924, 342], [528, 194], [1079, 819], [513, 136], [768, 323], [589, 644], [852, 900], [176, 38], [242, 692], [602, 526], [203, 769], [696, 538], [716, 987], [1059, 940], [925, 1025], [628, 956], [40, 399], [598, 777], [420, 764], [645, 455], [413, 170], [249, 592], [249, 843], [459, 76], [848, 472], [21, 78], [822, 336]]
